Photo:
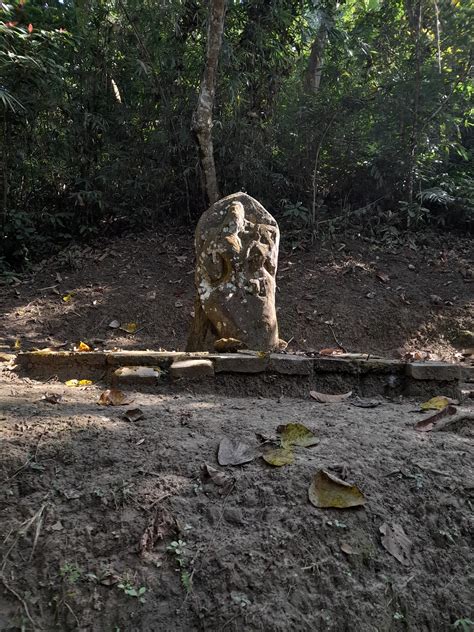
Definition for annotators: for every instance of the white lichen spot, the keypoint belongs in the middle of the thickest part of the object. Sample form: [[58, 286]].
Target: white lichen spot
[[204, 289]]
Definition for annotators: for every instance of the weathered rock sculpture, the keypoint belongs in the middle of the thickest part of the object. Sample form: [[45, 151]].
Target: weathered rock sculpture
[[236, 261]]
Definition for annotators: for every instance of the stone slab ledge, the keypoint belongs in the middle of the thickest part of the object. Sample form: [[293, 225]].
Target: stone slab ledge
[[251, 362]]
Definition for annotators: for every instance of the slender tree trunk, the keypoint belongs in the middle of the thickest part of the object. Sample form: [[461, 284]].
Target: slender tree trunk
[[202, 117], [416, 15], [314, 69]]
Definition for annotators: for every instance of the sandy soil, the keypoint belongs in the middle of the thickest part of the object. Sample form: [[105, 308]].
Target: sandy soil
[[91, 504]]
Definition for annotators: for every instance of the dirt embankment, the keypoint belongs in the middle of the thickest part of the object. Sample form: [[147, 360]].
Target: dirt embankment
[[368, 297]]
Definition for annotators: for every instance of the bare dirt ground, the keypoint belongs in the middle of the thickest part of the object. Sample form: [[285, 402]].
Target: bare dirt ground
[[107, 525], [390, 299]]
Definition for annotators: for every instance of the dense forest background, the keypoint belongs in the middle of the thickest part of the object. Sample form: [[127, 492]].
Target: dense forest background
[[333, 114]]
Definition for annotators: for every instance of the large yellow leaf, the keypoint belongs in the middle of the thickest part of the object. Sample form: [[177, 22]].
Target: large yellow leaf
[[279, 456], [296, 434], [68, 297], [435, 403], [327, 490], [130, 328], [78, 382], [83, 347]]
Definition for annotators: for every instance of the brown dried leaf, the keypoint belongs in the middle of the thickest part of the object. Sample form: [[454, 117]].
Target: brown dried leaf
[[331, 351], [112, 397], [359, 402], [218, 477], [326, 490], [396, 542], [348, 549], [228, 345], [51, 398], [427, 424], [235, 452], [109, 579], [325, 398], [159, 526], [383, 277], [133, 414]]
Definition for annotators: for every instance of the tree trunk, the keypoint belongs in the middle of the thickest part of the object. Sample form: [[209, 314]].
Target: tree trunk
[[415, 17], [202, 117], [314, 69]]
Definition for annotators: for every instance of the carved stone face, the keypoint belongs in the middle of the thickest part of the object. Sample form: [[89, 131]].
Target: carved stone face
[[237, 252]]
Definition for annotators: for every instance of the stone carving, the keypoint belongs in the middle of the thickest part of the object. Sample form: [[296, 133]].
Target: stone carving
[[236, 261]]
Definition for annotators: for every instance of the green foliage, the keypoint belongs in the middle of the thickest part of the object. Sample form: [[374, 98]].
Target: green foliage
[[70, 572], [132, 591], [96, 100]]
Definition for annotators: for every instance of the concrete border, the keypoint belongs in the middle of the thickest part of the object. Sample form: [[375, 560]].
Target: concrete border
[[291, 373]]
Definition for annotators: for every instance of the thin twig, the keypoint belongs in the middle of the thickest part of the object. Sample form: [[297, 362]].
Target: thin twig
[[315, 170], [335, 339], [10, 478], [23, 603], [356, 210], [25, 464], [73, 613]]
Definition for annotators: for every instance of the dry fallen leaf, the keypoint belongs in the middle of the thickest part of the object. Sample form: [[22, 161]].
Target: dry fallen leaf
[[365, 403], [133, 414], [57, 526], [159, 526], [348, 549], [82, 347], [383, 277], [228, 345], [331, 351], [17, 344], [235, 452], [109, 579], [325, 398], [296, 434], [435, 403], [129, 328], [427, 424], [78, 382], [68, 297], [396, 542], [51, 398], [112, 397], [114, 324], [219, 478], [326, 490], [279, 456]]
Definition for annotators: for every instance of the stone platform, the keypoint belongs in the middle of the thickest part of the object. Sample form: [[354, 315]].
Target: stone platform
[[253, 373]]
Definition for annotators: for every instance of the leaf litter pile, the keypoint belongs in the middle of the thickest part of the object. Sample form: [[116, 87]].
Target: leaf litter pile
[[171, 512]]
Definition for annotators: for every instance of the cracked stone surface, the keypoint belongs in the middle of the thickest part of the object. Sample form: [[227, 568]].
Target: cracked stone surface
[[236, 262]]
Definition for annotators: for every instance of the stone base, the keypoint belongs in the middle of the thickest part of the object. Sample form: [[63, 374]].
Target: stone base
[[255, 373]]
